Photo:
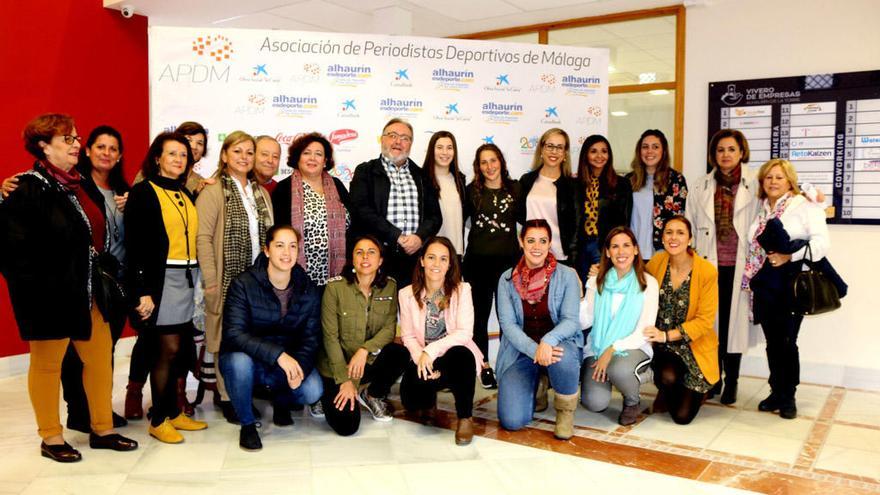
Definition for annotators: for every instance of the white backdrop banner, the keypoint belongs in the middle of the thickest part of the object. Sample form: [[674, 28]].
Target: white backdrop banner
[[346, 86]]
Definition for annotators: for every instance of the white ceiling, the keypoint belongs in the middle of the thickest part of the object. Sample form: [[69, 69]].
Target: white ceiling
[[437, 18]]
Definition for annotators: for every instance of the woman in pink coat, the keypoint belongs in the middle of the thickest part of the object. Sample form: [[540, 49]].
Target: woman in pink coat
[[436, 324]]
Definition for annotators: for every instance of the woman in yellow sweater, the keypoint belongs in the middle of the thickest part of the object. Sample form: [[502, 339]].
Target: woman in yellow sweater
[[685, 344]]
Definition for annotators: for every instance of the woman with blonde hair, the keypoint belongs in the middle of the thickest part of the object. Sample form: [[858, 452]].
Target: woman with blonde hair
[[234, 214], [787, 226]]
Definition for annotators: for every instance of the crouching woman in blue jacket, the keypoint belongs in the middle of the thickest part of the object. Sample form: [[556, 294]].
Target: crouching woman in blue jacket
[[271, 332]]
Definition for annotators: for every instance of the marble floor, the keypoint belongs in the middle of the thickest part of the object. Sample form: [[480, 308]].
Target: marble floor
[[833, 447]]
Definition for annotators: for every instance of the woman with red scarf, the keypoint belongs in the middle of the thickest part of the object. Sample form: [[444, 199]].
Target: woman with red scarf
[[52, 233], [538, 303]]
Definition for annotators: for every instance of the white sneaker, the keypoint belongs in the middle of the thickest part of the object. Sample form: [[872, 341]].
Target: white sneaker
[[316, 410]]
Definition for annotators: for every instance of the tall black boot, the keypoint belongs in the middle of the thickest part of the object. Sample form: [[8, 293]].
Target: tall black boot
[[731, 377]]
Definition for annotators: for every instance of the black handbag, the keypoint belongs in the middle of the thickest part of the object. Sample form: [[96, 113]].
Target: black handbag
[[814, 290], [110, 295]]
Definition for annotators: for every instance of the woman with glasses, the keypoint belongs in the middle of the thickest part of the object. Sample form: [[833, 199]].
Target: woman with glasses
[[160, 238], [659, 191], [51, 233], [550, 192]]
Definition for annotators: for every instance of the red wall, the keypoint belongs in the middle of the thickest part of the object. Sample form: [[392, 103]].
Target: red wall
[[74, 57]]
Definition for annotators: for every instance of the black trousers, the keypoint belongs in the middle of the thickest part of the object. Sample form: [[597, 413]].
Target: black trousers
[[781, 331], [483, 272], [457, 372], [669, 372], [728, 362], [400, 265], [380, 375]]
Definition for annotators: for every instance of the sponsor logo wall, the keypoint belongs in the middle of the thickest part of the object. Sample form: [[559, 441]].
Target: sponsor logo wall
[[346, 86]]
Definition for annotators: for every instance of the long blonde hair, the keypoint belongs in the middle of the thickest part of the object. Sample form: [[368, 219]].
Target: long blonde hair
[[538, 160]]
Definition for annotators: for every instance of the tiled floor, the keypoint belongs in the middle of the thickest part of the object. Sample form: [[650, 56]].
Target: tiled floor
[[833, 447]]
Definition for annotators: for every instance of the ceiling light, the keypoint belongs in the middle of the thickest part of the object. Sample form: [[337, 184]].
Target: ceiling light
[[647, 77], [619, 113], [611, 69], [659, 92]]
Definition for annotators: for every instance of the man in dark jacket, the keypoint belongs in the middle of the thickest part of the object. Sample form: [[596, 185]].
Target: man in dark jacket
[[271, 333], [393, 199]]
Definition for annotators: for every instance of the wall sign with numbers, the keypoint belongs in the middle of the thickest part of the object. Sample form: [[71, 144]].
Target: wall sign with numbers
[[827, 125]]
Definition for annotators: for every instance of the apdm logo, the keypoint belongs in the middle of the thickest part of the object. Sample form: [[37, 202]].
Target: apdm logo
[[592, 117], [212, 55], [294, 106], [546, 84], [309, 73], [501, 113], [452, 80], [349, 75], [401, 79], [255, 104]]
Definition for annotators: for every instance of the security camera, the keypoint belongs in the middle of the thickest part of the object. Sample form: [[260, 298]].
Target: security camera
[[127, 11]]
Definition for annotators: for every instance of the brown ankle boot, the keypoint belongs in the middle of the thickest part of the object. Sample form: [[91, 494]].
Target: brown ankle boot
[[134, 400], [464, 432], [565, 406], [182, 402], [541, 401]]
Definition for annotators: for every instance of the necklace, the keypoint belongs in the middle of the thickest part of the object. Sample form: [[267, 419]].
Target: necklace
[[179, 205]]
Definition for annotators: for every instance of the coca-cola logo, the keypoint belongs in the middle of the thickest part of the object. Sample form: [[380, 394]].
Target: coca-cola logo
[[288, 139], [340, 136]]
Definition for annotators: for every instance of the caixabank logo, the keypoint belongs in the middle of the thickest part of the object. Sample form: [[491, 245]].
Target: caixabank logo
[[348, 75], [550, 115], [348, 109], [581, 85], [400, 78], [503, 83], [294, 106], [452, 111], [260, 73], [452, 80], [209, 62], [399, 107], [308, 73], [501, 113]]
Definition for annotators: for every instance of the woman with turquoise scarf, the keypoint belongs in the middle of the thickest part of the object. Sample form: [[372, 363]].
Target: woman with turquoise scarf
[[621, 301]]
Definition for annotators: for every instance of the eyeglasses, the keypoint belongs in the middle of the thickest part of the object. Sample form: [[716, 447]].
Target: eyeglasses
[[403, 138], [68, 139], [555, 148]]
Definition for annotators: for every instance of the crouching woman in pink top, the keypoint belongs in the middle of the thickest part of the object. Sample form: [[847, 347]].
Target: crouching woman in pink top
[[437, 325]]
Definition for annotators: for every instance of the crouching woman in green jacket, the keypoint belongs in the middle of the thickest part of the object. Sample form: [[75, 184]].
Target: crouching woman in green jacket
[[359, 316]]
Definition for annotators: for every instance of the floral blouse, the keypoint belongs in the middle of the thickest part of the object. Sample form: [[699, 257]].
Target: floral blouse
[[671, 313]]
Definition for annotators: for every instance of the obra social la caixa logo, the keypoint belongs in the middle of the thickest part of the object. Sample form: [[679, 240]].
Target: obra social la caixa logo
[[211, 55]]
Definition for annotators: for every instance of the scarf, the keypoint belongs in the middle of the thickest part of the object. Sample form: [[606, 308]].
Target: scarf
[[237, 255], [70, 181], [756, 255], [608, 328], [336, 220], [532, 283]]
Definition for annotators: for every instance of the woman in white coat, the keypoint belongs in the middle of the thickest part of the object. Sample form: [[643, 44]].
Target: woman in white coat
[[721, 207]]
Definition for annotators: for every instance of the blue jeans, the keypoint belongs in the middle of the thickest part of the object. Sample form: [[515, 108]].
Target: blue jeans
[[516, 387], [241, 373]]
